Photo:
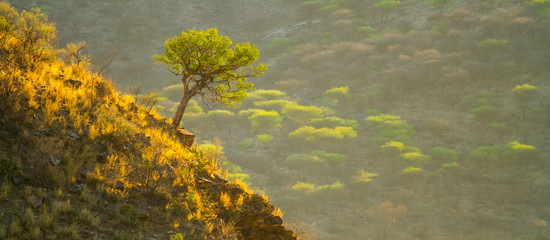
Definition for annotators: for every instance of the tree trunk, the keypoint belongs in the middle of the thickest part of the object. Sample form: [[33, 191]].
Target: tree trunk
[[181, 109]]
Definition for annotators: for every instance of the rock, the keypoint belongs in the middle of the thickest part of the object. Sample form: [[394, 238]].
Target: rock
[[185, 137], [54, 160], [71, 135], [77, 188]]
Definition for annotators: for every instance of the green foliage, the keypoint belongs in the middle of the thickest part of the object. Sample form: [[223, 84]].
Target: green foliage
[[332, 122], [364, 176], [390, 128], [520, 152], [129, 214], [309, 133], [308, 188], [542, 7], [304, 187], [331, 188], [244, 144], [416, 159], [525, 92], [315, 158], [393, 147], [487, 153], [443, 154], [485, 157], [178, 236], [276, 105], [265, 120], [265, 95], [485, 113], [220, 117], [211, 66], [264, 138], [337, 95], [30, 36], [302, 114], [387, 5], [412, 170], [243, 177]]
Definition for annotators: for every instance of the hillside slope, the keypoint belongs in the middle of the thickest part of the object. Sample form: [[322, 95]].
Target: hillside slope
[[80, 160]]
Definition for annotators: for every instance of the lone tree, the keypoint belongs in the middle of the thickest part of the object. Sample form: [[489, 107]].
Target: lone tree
[[210, 67]]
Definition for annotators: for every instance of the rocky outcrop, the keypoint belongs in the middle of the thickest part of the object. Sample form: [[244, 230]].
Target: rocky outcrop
[[256, 218], [185, 137]]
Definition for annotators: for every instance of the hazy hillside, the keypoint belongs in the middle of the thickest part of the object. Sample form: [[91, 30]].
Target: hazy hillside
[[416, 119]]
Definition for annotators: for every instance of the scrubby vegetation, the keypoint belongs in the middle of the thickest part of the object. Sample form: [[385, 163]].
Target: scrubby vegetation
[[79, 159], [376, 119]]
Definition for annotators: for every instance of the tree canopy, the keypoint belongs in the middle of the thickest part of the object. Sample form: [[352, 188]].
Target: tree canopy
[[210, 66]]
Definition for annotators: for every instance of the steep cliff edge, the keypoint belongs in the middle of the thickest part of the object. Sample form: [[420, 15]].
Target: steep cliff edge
[[80, 160]]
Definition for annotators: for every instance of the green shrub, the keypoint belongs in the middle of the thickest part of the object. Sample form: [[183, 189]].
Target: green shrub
[[276, 105], [219, 116], [332, 122], [129, 214], [525, 92], [245, 114], [308, 133], [485, 113], [442, 154], [331, 189], [302, 159], [486, 156], [177, 237], [416, 159], [542, 7], [303, 187], [302, 114], [243, 177], [331, 158], [264, 138], [265, 95], [265, 120], [315, 158], [390, 128], [386, 5], [520, 152], [244, 144], [364, 176], [337, 95]]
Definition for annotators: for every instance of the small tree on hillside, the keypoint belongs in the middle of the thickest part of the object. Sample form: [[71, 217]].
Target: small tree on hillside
[[385, 8], [210, 67], [524, 94]]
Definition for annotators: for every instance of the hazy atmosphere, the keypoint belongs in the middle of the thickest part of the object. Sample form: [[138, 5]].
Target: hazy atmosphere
[[371, 119]]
